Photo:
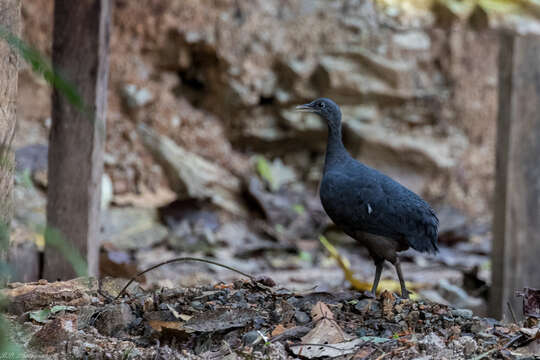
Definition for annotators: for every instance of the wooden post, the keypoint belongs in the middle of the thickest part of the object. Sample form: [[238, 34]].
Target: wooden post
[[516, 230], [10, 21], [80, 54]]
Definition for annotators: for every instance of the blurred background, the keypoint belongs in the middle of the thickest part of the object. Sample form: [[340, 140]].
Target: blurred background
[[205, 155]]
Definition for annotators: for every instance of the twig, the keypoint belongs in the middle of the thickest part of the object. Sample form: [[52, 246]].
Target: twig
[[180, 259], [512, 341], [481, 356], [511, 312], [325, 345]]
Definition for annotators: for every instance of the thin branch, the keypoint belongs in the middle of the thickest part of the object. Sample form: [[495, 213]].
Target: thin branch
[[252, 278], [512, 313]]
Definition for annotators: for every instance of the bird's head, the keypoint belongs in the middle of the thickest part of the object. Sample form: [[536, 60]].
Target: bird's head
[[325, 108]]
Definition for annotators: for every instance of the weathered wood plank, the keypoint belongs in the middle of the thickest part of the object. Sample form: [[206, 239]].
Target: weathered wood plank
[[80, 53], [516, 245]]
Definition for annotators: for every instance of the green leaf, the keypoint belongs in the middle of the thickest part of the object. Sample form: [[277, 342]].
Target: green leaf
[[43, 67], [40, 316], [54, 238], [500, 6], [24, 178], [58, 308], [305, 256], [299, 209], [264, 170], [43, 314]]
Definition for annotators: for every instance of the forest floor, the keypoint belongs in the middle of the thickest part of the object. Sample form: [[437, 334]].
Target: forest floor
[[251, 319]]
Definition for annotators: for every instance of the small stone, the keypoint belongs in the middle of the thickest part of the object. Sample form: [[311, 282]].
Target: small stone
[[250, 337], [53, 334], [86, 316], [114, 319], [455, 331], [239, 295], [301, 317], [464, 313], [197, 305], [366, 305], [431, 341], [361, 331], [413, 316], [258, 322], [135, 97]]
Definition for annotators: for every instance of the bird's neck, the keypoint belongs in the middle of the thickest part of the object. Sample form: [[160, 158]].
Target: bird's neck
[[335, 150]]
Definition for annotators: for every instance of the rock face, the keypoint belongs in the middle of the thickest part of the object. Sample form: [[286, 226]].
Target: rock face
[[220, 78], [191, 175], [397, 87]]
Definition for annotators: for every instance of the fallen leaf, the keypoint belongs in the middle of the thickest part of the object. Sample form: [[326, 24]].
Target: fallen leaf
[[185, 317], [159, 325], [321, 311], [221, 319], [278, 330], [58, 308], [173, 311], [224, 286], [326, 330], [40, 316], [325, 350]]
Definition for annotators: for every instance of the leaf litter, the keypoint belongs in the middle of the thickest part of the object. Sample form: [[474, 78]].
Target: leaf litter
[[245, 320]]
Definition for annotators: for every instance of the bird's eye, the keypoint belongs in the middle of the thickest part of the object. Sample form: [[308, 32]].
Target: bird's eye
[[321, 105]]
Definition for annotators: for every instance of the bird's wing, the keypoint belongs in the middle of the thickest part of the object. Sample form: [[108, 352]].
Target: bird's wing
[[378, 205]]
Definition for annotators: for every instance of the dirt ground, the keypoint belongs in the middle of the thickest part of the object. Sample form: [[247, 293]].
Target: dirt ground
[[251, 319]]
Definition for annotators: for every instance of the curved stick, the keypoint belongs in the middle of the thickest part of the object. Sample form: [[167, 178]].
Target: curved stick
[[252, 278]]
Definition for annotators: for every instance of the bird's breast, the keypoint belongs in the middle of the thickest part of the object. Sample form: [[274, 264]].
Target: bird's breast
[[334, 201]]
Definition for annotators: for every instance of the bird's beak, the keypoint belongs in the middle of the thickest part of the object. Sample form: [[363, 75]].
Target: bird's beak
[[304, 108]]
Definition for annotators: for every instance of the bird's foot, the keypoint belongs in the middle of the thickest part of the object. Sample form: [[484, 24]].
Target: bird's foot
[[405, 293]]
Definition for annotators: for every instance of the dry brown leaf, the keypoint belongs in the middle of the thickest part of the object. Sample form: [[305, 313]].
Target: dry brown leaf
[[321, 311], [278, 330], [159, 325], [326, 331], [388, 301]]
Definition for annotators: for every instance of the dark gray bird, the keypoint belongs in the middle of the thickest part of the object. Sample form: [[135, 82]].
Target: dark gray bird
[[369, 206]]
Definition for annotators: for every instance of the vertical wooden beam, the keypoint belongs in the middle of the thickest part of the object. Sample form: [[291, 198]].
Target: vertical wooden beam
[[516, 243], [10, 21], [80, 54]]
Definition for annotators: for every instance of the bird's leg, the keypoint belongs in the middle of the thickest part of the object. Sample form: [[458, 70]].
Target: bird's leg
[[378, 271], [404, 291]]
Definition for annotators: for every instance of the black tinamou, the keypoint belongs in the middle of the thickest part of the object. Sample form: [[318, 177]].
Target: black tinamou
[[369, 206]]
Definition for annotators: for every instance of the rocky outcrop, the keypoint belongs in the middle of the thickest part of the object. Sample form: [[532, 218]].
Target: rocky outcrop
[[220, 79], [396, 85], [192, 176]]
